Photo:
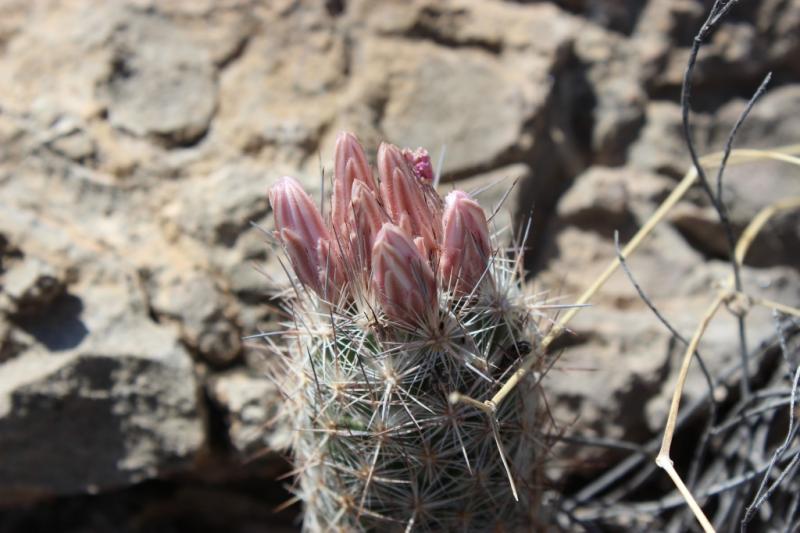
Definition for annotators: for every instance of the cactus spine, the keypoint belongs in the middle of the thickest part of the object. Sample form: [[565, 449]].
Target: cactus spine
[[399, 300]]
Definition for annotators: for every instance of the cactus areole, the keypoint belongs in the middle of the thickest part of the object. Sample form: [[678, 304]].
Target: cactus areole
[[400, 299]]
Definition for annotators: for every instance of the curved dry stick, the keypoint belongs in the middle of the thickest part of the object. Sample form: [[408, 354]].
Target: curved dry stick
[[771, 304], [663, 459], [784, 154], [739, 156], [559, 326], [757, 223]]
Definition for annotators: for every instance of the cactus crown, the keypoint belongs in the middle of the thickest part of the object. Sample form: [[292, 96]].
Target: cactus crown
[[401, 299]]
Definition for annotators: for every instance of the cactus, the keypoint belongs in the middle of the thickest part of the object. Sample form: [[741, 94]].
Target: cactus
[[399, 300]]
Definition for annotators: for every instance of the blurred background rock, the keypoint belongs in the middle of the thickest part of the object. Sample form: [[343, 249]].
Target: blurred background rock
[[137, 141]]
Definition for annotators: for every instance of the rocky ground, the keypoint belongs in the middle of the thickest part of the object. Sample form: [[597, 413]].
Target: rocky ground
[[137, 141]]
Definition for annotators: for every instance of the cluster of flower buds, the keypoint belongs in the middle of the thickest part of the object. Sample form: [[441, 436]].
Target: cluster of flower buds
[[396, 239]]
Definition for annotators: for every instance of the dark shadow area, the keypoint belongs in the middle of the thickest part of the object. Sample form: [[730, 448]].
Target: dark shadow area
[[171, 506], [616, 15], [60, 327], [41, 419], [556, 163]]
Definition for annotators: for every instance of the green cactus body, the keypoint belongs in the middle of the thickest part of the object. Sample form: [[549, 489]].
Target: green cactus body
[[377, 442]]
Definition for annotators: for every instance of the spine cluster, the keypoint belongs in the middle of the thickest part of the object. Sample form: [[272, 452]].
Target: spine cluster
[[399, 300]]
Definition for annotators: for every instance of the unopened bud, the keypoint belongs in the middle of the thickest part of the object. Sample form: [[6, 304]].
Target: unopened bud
[[420, 163], [403, 196], [465, 243], [299, 226], [350, 166], [368, 218], [401, 277]]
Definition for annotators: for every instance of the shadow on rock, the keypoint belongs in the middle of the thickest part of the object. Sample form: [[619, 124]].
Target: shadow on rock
[[61, 327]]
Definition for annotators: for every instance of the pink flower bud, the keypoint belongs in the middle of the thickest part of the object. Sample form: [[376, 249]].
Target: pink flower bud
[[465, 243], [420, 163], [299, 226], [332, 274], [368, 218], [350, 166], [401, 277], [304, 257], [403, 196]]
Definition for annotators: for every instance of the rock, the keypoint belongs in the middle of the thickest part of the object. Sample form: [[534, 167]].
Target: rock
[[174, 505], [614, 361], [779, 25], [776, 244], [663, 28], [733, 54], [496, 27], [733, 57], [137, 142], [249, 404], [277, 98], [619, 16], [767, 125], [598, 201], [254, 276], [755, 39], [115, 391], [13, 17], [88, 368], [619, 365], [483, 106], [47, 70], [445, 87], [612, 73], [7, 347], [160, 84], [30, 286], [677, 21], [578, 256], [608, 199], [750, 187], [13, 340], [661, 146], [616, 354], [76, 145], [720, 343], [5, 331], [69, 138], [218, 208], [603, 200], [203, 312], [619, 115], [224, 33]]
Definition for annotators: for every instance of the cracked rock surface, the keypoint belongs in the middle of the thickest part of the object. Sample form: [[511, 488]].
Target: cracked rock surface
[[137, 142]]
